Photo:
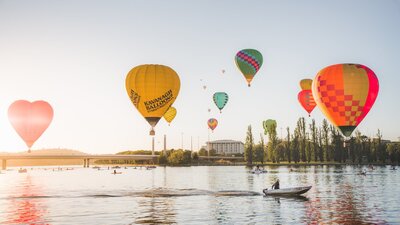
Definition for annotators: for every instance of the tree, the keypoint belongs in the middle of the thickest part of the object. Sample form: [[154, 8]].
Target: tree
[[259, 151], [393, 151], [288, 147], [337, 144], [314, 141], [195, 156], [351, 146], [308, 148], [179, 157], [162, 159], [213, 152], [295, 146], [279, 151], [380, 148], [248, 146], [301, 127], [325, 140], [272, 141], [203, 152], [320, 146]]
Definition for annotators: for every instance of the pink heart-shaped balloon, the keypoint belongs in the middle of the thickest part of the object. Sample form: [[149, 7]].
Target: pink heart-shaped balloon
[[30, 119]]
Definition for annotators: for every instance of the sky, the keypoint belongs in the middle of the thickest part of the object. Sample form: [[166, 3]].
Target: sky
[[76, 55]]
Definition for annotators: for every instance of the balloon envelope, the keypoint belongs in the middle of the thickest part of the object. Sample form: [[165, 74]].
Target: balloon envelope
[[212, 123], [30, 119], [345, 93], [305, 84], [306, 100], [170, 114], [268, 123], [220, 99], [152, 90], [249, 61]]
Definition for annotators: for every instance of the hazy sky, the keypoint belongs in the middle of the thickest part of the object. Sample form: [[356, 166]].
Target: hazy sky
[[76, 55]]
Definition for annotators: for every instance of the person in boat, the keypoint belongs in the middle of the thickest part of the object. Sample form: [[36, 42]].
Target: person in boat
[[115, 172], [275, 185], [364, 172], [371, 167]]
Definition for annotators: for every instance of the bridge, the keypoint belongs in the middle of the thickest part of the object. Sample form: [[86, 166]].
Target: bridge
[[85, 157]]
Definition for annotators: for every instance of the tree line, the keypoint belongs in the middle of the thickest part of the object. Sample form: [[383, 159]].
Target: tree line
[[311, 143]]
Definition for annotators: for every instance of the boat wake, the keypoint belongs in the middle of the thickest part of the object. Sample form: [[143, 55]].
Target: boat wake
[[152, 193]]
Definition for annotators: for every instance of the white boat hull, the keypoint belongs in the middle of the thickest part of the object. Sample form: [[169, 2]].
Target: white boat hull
[[287, 191], [258, 171]]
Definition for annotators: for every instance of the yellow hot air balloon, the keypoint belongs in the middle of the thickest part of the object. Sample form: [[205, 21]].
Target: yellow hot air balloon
[[305, 84], [152, 90], [170, 114]]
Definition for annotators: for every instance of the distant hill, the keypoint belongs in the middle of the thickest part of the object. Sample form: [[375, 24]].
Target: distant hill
[[47, 162], [57, 151], [53, 151]]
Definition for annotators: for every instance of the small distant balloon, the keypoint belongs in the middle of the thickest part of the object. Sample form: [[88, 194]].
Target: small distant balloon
[[170, 115], [212, 123], [209, 110], [267, 124], [30, 119], [305, 84], [223, 71], [220, 99], [204, 87]]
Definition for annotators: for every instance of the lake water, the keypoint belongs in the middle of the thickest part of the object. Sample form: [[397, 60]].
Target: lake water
[[199, 195]]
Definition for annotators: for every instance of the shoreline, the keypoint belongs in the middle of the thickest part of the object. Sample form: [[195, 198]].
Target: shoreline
[[214, 164]]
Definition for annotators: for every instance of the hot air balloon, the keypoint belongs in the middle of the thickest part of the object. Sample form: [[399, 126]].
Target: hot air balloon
[[306, 100], [345, 93], [30, 119], [249, 61], [267, 125], [212, 123], [305, 84], [170, 115], [220, 99], [152, 90]]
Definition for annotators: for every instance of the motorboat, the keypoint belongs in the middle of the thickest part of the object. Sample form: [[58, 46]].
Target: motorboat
[[258, 171], [287, 191]]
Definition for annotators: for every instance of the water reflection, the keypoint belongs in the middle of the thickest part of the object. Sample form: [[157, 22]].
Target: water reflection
[[155, 211], [344, 205], [200, 195], [25, 205]]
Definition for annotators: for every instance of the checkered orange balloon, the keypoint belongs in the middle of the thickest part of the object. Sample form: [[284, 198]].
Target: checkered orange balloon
[[345, 93]]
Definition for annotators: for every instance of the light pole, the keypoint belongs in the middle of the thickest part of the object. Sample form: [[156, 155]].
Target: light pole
[[182, 140]]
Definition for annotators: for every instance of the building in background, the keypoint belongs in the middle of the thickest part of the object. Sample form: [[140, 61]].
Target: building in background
[[226, 147]]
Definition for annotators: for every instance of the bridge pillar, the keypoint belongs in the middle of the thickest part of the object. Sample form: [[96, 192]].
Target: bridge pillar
[[4, 164], [84, 163], [87, 163]]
